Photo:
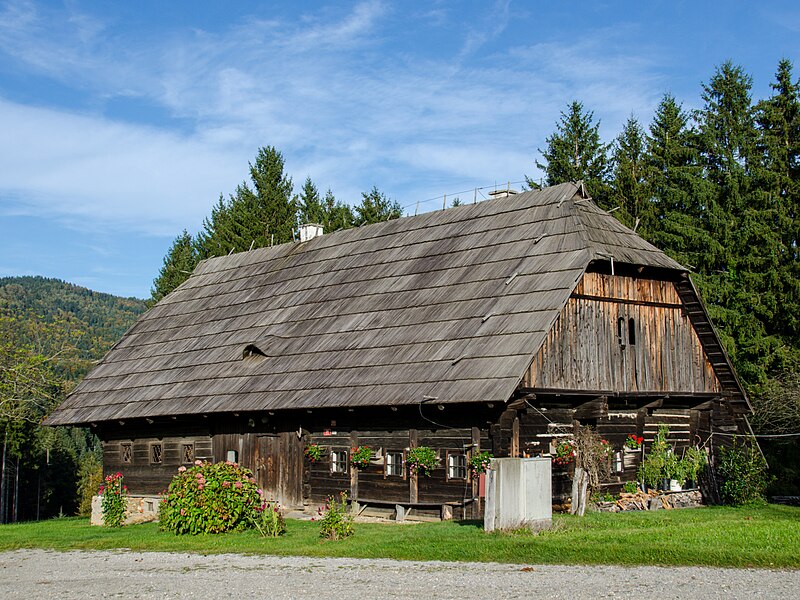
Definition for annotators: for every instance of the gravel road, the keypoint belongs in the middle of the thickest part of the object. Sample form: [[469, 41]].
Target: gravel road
[[45, 574]]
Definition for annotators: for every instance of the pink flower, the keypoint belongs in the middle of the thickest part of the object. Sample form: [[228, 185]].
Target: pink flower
[[238, 485], [181, 469], [198, 462], [200, 487], [226, 484], [183, 512]]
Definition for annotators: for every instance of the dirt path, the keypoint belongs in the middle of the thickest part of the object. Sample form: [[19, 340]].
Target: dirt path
[[33, 574]]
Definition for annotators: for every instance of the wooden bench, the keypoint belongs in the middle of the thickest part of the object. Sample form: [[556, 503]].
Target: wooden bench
[[358, 505]]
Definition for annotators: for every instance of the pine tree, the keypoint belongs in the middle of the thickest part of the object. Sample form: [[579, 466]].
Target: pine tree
[[676, 184], [630, 189], [309, 205], [338, 215], [328, 212], [739, 282], [575, 152], [180, 261], [778, 118], [257, 214], [375, 207]]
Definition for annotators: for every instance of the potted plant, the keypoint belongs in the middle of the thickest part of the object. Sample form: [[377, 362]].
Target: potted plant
[[633, 443], [649, 472], [422, 460], [313, 452], [479, 462], [564, 453], [694, 461], [361, 457], [673, 472]]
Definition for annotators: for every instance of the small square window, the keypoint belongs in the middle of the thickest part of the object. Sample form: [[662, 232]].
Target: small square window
[[456, 466], [126, 453], [394, 463], [187, 453], [339, 461], [156, 455]]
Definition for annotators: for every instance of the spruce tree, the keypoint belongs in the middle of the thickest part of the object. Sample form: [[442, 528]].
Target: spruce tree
[[180, 261], [739, 282], [375, 207], [575, 152], [309, 205], [778, 118], [338, 215], [257, 214], [328, 212], [630, 188], [676, 184]]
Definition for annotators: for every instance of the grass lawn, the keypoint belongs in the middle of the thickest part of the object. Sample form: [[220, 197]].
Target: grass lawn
[[766, 537]]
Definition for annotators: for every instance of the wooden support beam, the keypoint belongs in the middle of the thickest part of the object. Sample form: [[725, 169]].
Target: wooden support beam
[[593, 409]]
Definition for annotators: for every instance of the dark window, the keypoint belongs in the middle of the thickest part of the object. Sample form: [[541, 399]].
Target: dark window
[[631, 332], [187, 453], [339, 461], [621, 331], [155, 454], [456, 466], [126, 453], [394, 463]]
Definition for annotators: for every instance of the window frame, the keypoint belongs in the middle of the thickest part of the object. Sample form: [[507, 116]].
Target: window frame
[[402, 471], [340, 461], [183, 453], [449, 467], [150, 453], [122, 453]]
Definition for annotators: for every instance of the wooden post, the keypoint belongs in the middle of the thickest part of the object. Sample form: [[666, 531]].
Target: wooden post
[[515, 438], [353, 472], [413, 487], [476, 500]]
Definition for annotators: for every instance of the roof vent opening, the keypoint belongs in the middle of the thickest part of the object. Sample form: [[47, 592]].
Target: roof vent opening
[[253, 352], [309, 231]]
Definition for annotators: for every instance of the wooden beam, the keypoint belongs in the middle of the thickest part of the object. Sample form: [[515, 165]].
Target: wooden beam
[[593, 409]]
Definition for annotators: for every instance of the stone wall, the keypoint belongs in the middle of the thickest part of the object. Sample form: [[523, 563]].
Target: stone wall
[[653, 501], [140, 509]]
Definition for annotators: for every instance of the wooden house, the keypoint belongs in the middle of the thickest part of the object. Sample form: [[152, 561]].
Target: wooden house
[[493, 326]]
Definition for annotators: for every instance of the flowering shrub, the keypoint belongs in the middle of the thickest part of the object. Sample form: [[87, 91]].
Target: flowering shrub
[[422, 460], [336, 522], [633, 442], [114, 501], [565, 452], [479, 462], [211, 498], [360, 457], [313, 452], [269, 521]]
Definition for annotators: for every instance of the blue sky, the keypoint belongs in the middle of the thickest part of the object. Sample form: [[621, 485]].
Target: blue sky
[[122, 122]]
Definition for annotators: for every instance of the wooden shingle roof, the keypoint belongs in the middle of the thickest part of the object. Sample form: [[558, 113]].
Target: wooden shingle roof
[[452, 304]]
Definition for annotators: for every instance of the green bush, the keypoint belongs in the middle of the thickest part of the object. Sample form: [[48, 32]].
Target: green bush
[[115, 500], [269, 520], [336, 522], [630, 487], [743, 471], [211, 498], [90, 478]]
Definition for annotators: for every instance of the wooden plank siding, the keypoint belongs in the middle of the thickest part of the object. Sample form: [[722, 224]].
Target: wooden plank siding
[[584, 349]]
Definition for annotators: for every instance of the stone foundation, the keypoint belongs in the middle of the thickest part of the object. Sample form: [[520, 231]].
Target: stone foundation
[[140, 509]]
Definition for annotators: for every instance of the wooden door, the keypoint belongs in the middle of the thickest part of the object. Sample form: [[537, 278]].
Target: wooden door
[[279, 468]]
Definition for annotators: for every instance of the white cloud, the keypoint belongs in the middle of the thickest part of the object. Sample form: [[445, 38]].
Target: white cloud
[[344, 105]]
